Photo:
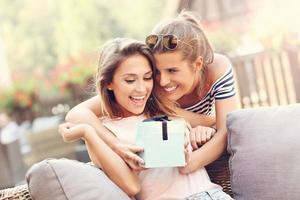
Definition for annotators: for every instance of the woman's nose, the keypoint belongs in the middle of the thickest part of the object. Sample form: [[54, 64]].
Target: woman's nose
[[141, 87], [163, 79]]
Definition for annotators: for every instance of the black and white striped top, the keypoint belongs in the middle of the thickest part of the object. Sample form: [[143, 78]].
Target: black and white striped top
[[223, 88]]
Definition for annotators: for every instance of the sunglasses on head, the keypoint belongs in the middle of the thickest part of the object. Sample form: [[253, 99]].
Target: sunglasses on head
[[169, 41]]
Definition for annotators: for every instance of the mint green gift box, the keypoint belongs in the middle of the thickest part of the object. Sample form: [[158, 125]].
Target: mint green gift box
[[163, 142]]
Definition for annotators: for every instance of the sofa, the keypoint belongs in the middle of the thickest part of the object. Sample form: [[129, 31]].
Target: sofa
[[264, 146], [263, 162]]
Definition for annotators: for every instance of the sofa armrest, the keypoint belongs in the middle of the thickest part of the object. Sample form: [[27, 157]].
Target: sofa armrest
[[264, 144]]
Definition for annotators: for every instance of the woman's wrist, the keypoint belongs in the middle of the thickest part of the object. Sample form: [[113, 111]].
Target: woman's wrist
[[89, 132], [114, 144]]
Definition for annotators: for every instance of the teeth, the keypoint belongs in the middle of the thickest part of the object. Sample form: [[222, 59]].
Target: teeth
[[169, 89], [138, 98]]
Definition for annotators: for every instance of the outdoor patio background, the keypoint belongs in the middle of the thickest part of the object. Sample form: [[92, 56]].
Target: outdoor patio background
[[48, 55]]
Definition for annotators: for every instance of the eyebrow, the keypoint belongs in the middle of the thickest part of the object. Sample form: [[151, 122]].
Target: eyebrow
[[150, 72], [170, 68]]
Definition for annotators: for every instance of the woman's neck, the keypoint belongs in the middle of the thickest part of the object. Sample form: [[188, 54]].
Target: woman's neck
[[189, 99], [199, 90]]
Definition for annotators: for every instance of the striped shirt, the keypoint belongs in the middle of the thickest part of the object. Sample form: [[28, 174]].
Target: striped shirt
[[223, 88]]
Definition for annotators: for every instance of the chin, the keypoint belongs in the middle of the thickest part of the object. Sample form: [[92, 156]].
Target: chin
[[172, 97], [138, 112]]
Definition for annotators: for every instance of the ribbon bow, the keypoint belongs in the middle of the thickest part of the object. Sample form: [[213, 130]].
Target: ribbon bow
[[164, 119]]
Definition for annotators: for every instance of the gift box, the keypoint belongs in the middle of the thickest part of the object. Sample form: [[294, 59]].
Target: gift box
[[163, 142]]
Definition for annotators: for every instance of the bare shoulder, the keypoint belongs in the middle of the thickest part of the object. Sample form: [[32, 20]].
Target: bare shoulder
[[93, 104], [218, 68]]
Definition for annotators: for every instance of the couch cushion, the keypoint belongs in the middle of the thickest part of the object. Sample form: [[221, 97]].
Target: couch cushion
[[63, 179], [264, 144]]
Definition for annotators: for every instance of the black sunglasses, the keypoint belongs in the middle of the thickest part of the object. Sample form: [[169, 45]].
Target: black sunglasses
[[169, 41]]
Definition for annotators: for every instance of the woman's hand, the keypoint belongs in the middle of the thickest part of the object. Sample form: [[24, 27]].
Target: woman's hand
[[187, 151], [200, 135], [128, 152], [73, 132]]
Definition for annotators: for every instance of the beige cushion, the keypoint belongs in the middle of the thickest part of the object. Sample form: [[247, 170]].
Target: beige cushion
[[264, 144], [63, 179]]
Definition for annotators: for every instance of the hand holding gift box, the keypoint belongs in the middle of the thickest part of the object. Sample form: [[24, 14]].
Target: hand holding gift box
[[163, 141]]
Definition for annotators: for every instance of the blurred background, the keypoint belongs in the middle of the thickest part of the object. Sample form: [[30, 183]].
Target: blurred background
[[48, 55]]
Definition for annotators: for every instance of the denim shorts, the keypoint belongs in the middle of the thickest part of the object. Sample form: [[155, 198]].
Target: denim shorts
[[214, 194]]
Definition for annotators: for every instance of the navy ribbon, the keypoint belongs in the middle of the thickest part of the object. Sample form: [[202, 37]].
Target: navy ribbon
[[164, 119]]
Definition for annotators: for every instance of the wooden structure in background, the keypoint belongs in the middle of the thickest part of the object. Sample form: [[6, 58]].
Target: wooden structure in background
[[214, 13], [268, 78]]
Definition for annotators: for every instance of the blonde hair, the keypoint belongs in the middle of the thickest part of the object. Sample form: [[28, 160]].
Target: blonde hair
[[112, 54], [194, 42]]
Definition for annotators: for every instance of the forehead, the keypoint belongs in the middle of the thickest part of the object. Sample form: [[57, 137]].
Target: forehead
[[168, 59], [135, 64]]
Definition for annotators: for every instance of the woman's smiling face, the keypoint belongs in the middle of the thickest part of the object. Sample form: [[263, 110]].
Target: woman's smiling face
[[175, 76], [132, 84]]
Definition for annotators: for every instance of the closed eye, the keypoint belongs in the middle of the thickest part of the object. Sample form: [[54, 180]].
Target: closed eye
[[148, 78], [172, 70], [129, 81]]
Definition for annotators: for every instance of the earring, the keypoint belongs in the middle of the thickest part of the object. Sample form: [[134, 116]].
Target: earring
[[109, 88]]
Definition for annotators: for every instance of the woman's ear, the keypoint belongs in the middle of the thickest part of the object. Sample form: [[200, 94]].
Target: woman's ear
[[198, 63]]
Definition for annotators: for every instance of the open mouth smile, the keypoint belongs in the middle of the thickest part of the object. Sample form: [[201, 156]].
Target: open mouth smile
[[138, 100], [170, 89]]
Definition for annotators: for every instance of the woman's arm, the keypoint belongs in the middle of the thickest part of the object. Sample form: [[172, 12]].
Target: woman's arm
[[103, 156], [196, 119], [202, 130], [214, 148], [88, 112]]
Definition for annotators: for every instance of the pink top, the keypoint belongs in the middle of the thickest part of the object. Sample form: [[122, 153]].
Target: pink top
[[161, 183]]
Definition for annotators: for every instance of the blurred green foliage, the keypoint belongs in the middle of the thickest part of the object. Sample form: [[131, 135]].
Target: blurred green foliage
[[48, 43], [46, 33]]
